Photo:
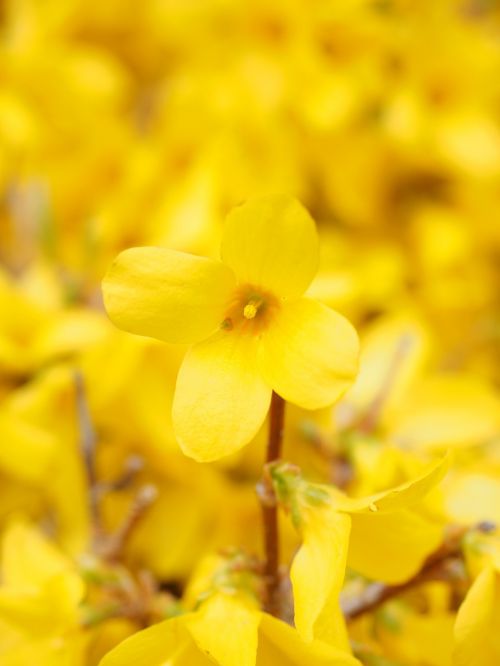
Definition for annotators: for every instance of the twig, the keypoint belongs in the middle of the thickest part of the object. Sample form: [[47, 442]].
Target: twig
[[112, 547], [88, 450], [133, 465], [270, 508], [108, 546], [372, 414]]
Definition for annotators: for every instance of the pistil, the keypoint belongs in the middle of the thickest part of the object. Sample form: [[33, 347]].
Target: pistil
[[252, 308]]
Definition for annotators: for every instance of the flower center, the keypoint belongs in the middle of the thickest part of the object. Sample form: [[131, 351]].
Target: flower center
[[250, 310]]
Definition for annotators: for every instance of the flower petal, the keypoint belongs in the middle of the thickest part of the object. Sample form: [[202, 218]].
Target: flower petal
[[152, 646], [476, 626], [395, 346], [27, 450], [209, 629], [172, 296], [484, 488], [279, 643], [29, 560], [318, 569], [400, 497], [447, 410], [309, 354], [271, 242], [220, 399], [398, 542]]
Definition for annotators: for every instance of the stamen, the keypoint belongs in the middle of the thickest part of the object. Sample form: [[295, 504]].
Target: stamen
[[250, 310]]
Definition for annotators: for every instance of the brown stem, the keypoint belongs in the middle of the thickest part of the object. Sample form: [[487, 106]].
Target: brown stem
[[112, 547], [276, 424], [270, 508], [133, 465]]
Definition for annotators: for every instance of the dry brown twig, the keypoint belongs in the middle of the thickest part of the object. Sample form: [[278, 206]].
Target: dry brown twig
[[131, 594]]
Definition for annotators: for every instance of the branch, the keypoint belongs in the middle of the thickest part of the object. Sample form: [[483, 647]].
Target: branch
[[371, 418], [270, 508], [88, 450], [111, 548]]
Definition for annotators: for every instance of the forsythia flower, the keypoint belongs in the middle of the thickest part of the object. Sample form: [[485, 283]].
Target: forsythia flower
[[251, 327], [477, 640], [40, 597], [335, 531], [228, 630]]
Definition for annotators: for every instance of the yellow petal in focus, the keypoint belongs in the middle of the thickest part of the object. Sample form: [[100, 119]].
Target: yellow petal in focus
[[318, 569], [172, 296], [271, 242], [220, 399], [158, 645], [226, 629], [309, 354], [330, 626], [400, 497], [280, 644]]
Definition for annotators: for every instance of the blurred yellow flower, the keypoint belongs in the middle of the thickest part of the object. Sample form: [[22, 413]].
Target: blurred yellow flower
[[40, 596], [253, 330], [139, 125], [477, 640]]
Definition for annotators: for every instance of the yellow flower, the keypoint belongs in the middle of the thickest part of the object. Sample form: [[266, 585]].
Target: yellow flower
[[335, 530], [228, 630], [251, 328], [447, 410], [410, 636], [477, 640], [39, 329], [40, 597]]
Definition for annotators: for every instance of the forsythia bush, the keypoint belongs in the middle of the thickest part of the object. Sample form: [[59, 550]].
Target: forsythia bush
[[249, 333]]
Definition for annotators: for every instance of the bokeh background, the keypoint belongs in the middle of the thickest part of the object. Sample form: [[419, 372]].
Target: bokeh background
[[126, 123]]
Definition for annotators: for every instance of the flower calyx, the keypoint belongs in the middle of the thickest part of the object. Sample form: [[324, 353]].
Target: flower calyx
[[294, 493]]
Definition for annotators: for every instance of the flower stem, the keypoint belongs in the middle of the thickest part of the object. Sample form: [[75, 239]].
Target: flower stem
[[270, 508]]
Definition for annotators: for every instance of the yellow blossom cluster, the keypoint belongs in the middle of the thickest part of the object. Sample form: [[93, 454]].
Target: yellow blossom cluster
[[250, 333]]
